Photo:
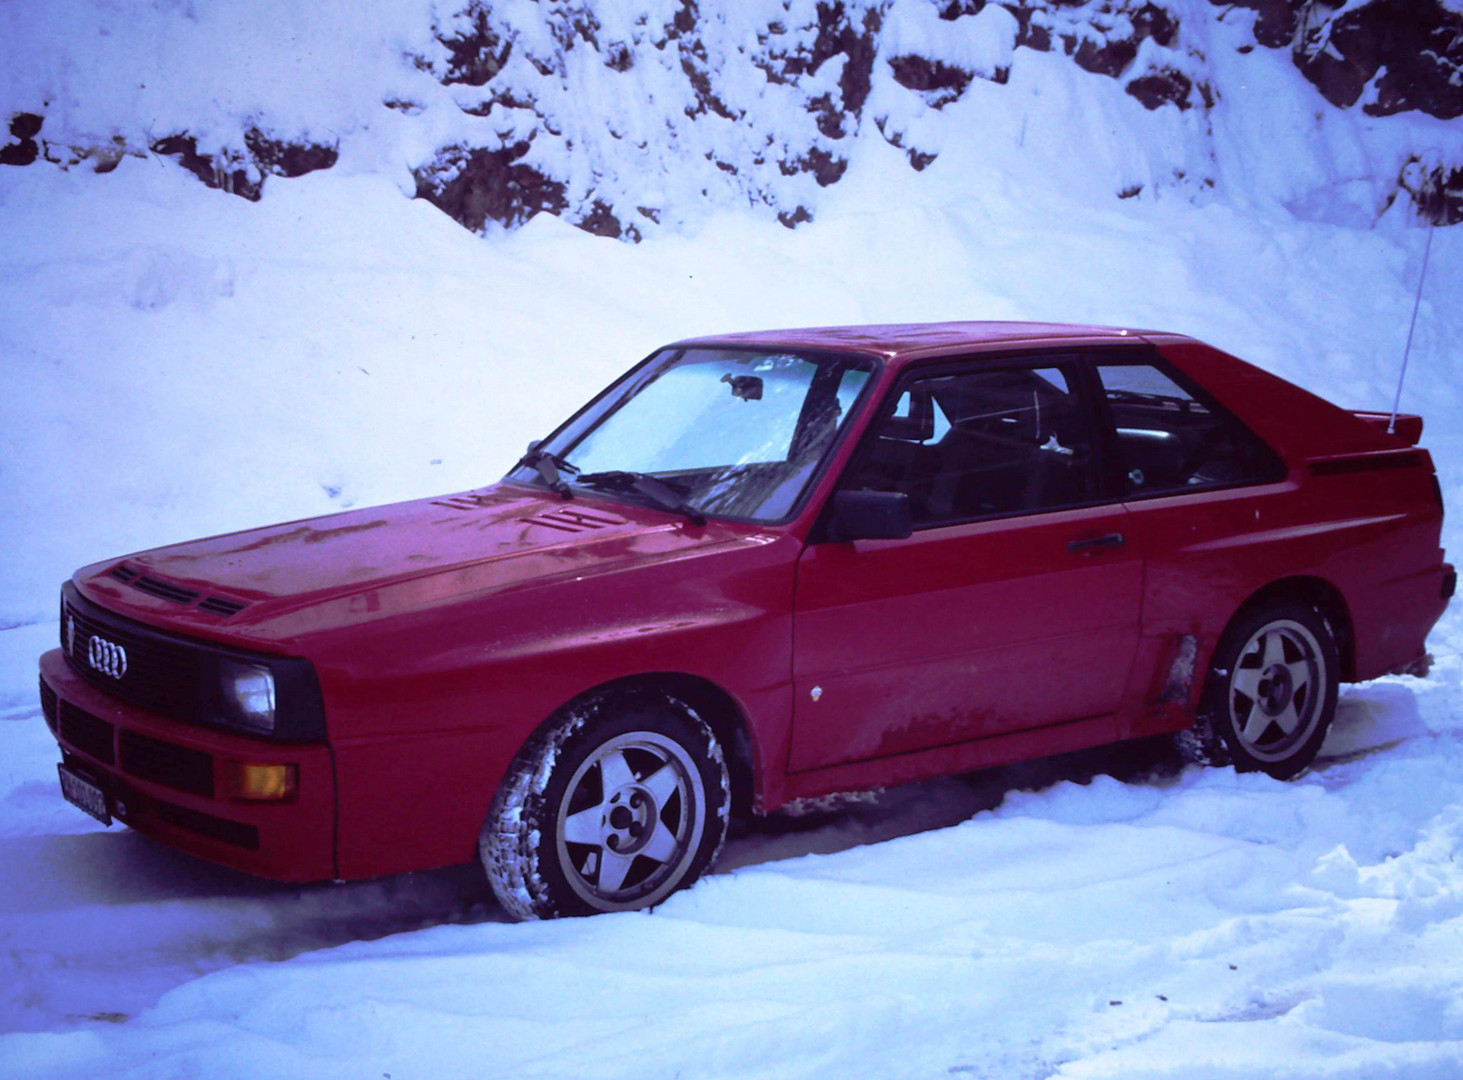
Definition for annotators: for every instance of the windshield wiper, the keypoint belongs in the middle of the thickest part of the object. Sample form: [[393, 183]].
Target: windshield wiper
[[550, 467], [664, 495]]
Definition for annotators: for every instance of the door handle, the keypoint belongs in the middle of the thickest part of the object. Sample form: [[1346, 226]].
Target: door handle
[[1110, 540]]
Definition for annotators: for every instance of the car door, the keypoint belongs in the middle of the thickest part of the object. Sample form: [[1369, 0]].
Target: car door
[[1013, 605], [1210, 507]]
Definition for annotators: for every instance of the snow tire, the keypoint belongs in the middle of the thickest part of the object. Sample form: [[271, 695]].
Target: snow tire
[[1271, 691], [613, 806]]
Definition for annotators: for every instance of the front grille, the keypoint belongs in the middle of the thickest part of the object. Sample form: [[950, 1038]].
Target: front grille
[[178, 677], [165, 590], [89, 734], [215, 828], [159, 675], [167, 763], [48, 705]]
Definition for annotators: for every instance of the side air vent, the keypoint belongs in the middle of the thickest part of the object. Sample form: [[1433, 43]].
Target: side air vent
[[165, 590], [219, 605]]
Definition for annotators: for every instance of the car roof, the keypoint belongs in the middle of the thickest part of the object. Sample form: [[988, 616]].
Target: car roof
[[904, 341]]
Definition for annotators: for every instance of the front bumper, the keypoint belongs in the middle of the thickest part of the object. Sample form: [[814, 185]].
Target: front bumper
[[171, 781]]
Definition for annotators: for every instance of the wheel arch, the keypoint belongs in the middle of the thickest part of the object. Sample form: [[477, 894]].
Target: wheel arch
[[710, 702], [1319, 594]]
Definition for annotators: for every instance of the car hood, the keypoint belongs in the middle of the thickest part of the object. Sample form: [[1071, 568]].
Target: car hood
[[272, 584]]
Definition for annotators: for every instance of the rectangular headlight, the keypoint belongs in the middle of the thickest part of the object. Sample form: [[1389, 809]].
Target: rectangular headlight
[[246, 692]]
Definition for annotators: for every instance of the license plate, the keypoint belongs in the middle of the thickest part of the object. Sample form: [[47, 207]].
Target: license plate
[[79, 791]]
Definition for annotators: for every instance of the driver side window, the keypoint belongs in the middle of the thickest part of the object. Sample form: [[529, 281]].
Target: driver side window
[[984, 443]]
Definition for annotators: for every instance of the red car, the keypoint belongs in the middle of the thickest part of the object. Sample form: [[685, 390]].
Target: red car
[[759, 567]]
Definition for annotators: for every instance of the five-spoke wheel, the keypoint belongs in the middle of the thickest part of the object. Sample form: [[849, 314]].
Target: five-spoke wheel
[[613, 807], [630, 821], [1272, 689]]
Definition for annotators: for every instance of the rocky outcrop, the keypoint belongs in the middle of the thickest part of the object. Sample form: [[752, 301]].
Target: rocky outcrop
[[242, 172], [758, 110], [1390, 55], [475, 186], [24, 127], [239, 171], [1387, 57], [1436, 190], [614, 118]]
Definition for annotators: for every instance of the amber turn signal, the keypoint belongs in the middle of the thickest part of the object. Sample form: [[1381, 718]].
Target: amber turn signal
[[263, 783]]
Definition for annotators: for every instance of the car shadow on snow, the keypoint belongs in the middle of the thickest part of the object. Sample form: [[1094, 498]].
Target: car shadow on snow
[[840, 822], [251, 918]]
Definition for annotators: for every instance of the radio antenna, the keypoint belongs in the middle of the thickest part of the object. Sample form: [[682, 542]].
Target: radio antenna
[[1432, 224]]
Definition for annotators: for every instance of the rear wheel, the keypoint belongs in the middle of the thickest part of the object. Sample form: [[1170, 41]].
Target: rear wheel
[[612, 808], [1271, 692]]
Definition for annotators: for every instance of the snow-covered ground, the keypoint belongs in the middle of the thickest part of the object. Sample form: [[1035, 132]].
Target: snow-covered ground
[[175, 362]]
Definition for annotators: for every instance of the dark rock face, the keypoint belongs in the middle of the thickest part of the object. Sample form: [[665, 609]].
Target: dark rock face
[[476, 53], [601, 221], [760, 111], [1106, 39], [943, 83], [795, 218], [1163, 87], [227, 172], [24, 127], [475, 186], [282, 158], [1436, 190], [1415, 45], [242, 172], [776, 142], [1391, 56], [1413, 49], [826, 169], [1275, 19]]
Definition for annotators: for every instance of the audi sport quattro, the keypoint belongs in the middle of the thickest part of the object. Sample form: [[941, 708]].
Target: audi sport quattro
[[757, 568]]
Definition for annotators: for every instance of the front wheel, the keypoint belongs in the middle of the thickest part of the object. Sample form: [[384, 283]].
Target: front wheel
[[1272, 689], [612, 808]]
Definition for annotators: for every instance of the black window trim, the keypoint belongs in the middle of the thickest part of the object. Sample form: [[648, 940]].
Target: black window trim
[[1150, 356], [1085, 385]]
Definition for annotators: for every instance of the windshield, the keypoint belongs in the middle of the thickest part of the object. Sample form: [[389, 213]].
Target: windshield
[[735, 433]]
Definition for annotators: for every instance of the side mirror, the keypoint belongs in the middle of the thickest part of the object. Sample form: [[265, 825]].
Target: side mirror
[[869, 515]]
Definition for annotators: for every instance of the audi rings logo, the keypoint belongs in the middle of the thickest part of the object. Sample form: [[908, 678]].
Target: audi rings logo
[[107, 657]]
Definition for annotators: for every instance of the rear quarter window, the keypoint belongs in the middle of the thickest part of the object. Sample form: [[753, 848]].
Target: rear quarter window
[[1171, 437]]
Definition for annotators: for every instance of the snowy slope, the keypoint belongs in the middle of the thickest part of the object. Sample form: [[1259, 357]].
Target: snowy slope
[[176, 361]]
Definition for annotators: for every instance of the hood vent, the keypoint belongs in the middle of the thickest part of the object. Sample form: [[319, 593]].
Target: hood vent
[[219, 605], [166, 590], [573, 521], [473, 500]]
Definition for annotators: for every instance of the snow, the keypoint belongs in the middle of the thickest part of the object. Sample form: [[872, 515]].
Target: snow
[[175, 361]]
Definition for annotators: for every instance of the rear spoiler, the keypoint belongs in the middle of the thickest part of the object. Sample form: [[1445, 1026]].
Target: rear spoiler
[[1408, 427]]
